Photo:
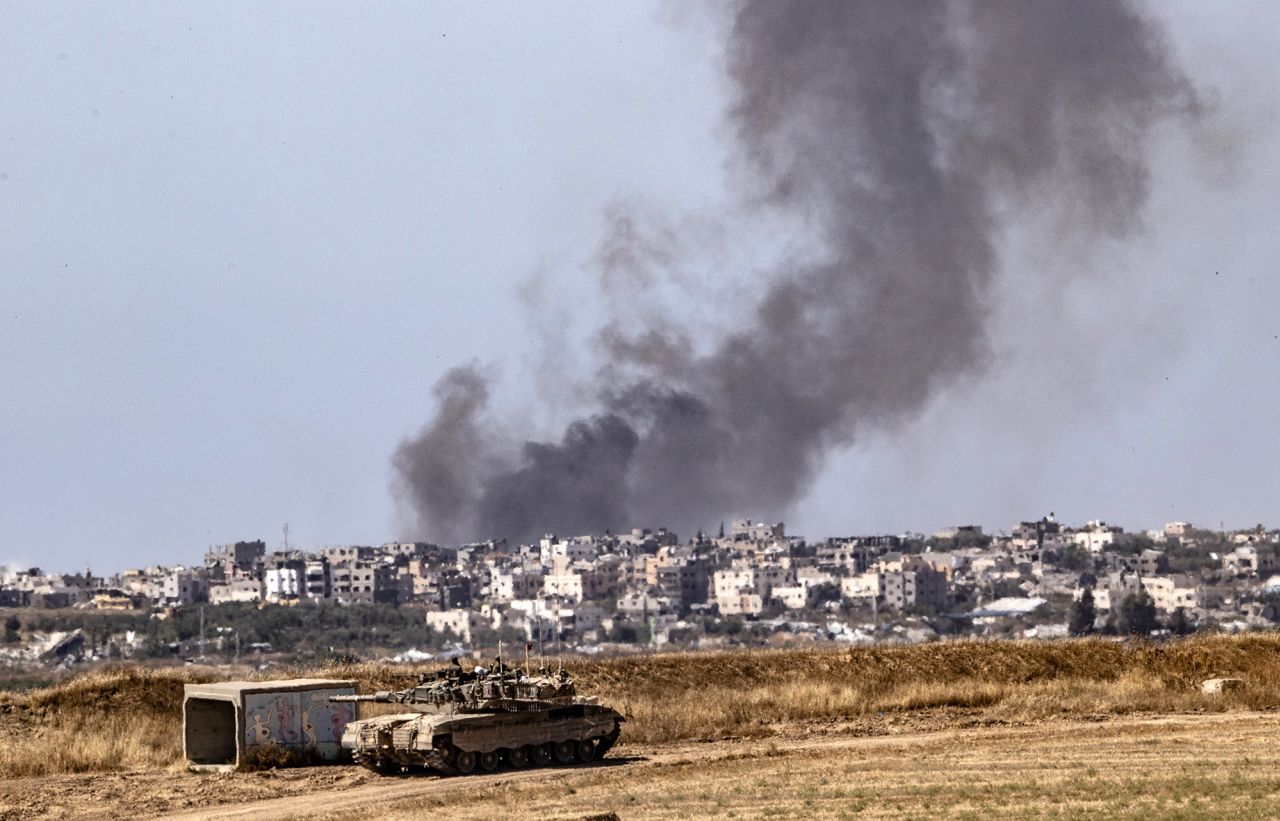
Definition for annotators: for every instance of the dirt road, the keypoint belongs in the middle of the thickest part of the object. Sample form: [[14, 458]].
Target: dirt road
[[1216, 765]]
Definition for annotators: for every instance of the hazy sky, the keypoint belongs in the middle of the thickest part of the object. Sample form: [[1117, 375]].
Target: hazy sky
[[240, 242]]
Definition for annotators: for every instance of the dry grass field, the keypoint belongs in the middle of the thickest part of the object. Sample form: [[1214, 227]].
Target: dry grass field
[[1209, 765], [1214, 766], [965, 729], [128, 718]]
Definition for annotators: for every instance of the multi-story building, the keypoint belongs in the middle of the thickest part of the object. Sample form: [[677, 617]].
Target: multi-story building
[[1171, 592], [183, 587], [236, 589], [1098, 536], [517, 583], [869, 585], [745, 530], [792, 597], [284, 580], [917, 588], [1251, 560], [318, 579], [741, 604], [845, 556], [346, 553], [566, 585], [1046, 533], [578, 549], [238, 557]]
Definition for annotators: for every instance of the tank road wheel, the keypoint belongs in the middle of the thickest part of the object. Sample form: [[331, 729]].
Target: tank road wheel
[[587, 751], [564, 751], [465, 762], [541, 755], [518, 758], [488, 761]]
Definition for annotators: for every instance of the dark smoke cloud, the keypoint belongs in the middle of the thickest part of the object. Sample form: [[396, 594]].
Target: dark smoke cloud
[[904, 135], [443, 469]]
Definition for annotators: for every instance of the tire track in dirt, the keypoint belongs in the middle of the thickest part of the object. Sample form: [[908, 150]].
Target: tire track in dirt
[[401, 792]]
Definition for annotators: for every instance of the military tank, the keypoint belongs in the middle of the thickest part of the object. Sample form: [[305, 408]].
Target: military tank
[[464, 722]]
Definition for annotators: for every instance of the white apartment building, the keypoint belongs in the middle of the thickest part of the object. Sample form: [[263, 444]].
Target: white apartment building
[[732, 581], [1097, 536], [285, 582], [515, 584], [1171, 592], [567, 586], [867, 585], [792, 597]]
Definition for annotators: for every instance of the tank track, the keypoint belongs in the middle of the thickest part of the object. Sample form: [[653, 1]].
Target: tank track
[[444, 760]]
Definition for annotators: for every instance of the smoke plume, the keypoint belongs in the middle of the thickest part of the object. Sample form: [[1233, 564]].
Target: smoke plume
[[905, 136]]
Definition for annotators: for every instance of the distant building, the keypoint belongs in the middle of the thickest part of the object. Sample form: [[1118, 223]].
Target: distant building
[[1171, 592], [917, 586], [1034, 535], [241, 556], [745, 530], [358, 583], [244, 589], [461, 623], [317, 579], [1251, 560], [518, 583], [742, 604], [1098, 536], [792, 597], [185, 587], [284, 581], [869, 585]]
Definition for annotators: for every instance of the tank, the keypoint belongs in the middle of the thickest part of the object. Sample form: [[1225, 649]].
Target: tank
[[459, 722]]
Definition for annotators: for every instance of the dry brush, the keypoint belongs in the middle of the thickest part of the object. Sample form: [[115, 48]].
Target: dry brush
[[129, 717]]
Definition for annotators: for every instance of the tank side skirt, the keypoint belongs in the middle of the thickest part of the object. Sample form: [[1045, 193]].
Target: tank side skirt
[[489, 738]]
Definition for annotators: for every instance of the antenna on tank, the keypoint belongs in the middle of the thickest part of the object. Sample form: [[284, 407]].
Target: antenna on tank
[[559, 648]]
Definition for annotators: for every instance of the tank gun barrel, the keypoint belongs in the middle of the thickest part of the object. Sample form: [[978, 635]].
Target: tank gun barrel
[[381, 696]]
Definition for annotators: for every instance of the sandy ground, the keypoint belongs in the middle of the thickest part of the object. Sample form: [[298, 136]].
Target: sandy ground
[[1193, 766]]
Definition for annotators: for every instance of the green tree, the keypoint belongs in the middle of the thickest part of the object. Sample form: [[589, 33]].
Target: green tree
[[1074, 557], [1179, 624], [11, 627], [825, 592], [1138, 614], [1083, 614], [624, 633]]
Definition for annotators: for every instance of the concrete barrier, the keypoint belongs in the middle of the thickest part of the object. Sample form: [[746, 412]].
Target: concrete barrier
[[226, 724], [1218, 686]]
